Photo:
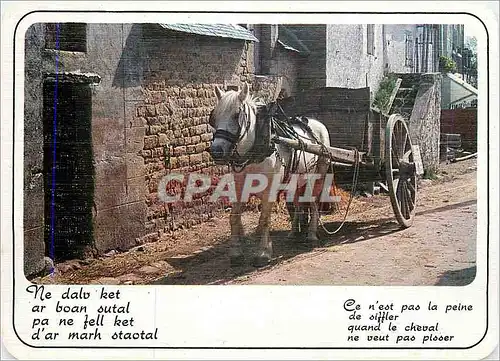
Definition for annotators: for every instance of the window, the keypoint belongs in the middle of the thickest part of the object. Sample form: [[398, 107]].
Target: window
[[370, 29], [409, 49], [66, 36]]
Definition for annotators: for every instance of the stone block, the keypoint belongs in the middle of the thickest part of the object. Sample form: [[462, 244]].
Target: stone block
[[33, 201], [150, 142], [135, 166], [170, 134], [34, 250], [156, 97], [152, 120], [141, 111], [154, 129], [118, 227], [174, 163], [158, 152], [206, 157], [150, 111], [161, 109], [163, 139], [200, 147], [206, 137], [108, 137], [178, 151], [135, 139], [183, 160], [110, 183], [195, 158], [136, 189]]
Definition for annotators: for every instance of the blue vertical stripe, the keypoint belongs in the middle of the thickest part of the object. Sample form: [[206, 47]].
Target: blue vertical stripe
[[54, 140]]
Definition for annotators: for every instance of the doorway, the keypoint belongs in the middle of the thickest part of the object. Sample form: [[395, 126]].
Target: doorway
[[68, 169]]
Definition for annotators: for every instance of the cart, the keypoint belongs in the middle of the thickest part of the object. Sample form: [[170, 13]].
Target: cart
[[377, 147]]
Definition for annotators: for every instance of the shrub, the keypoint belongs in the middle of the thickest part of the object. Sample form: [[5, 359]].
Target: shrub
[[447, 65]]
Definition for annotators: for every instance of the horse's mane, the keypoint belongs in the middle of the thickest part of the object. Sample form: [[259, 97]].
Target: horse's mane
[[230, 99]]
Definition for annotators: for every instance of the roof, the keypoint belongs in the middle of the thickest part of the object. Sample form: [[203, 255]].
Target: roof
[[462, 83], [218, 30], [458, 91]]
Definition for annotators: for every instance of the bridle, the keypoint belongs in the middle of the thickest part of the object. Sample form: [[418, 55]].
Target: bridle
[[234, 139], [257, 153]]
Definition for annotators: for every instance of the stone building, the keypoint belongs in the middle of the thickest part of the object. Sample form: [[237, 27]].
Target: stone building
[[346, 55], [132, 104]]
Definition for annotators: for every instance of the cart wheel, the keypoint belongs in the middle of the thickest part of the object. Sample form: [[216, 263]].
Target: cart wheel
[[400, 170]]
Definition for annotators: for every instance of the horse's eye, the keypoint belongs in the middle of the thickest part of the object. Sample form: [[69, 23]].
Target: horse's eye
[[211, 120]]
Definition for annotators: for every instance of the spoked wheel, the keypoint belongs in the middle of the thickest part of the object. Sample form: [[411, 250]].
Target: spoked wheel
[[400, 170]]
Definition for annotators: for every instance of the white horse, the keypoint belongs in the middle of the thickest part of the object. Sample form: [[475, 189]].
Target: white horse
[[242, 137]]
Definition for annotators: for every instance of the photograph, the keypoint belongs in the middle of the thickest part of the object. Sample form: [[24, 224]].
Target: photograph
[[250, 154]]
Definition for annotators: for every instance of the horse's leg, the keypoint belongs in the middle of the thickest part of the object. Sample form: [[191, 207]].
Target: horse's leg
[[237, 232], [265, 251], [293, 211], [304, 218], [312, 236]]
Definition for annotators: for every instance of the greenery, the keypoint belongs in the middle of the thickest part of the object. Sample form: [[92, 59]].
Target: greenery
[[384, 91], [447, 65]]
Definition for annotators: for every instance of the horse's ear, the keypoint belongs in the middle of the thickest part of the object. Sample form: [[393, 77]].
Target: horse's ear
[[244, 92], [218, 92]]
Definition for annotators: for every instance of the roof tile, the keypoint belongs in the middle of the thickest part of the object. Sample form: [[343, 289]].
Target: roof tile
[[219, 30]]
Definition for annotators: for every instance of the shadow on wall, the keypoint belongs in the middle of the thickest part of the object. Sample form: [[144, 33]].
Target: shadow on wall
[[129, 72], [154, 53]]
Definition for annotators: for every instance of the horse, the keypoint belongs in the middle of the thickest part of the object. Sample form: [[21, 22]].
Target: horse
[[242, 139]]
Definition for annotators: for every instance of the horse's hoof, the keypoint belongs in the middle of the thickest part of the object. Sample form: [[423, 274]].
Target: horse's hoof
[[237, 260], [261, 260], [313, 241]]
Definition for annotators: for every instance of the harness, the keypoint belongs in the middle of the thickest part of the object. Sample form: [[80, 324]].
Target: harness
[[270, 120], [262, 146]]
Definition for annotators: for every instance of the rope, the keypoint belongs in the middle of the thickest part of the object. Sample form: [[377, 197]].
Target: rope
[[354, 181]]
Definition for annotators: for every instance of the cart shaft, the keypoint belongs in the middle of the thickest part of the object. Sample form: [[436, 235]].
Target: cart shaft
[[337, 154]]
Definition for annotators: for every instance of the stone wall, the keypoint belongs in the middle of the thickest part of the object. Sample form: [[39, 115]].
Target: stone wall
[[424, 122], [348, 64], [286, 65], [33, 222], [312, 72], [119, 177], [396, 47], [181, 73]]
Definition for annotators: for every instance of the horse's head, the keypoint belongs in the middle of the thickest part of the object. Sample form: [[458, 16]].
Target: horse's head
[[233, 119]]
